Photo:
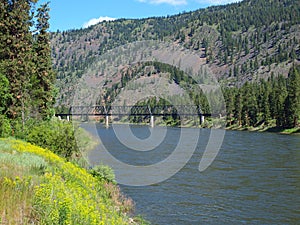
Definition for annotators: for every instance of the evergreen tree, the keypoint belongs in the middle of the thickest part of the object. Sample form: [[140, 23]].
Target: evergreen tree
[[280, 92], [292, 102], [5, 96], [263, 101], [238, 104], [16, 54], [229, 95], [26, 74], [45, 77], [249, 109]]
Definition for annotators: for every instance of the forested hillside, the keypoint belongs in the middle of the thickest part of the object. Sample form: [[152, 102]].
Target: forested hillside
[[245, 37], [240, 43]]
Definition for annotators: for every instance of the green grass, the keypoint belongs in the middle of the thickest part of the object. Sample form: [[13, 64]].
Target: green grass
[[269, 127], [295, 130], [18, 173]]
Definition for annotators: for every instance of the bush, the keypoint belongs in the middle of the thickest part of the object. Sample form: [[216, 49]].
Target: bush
[[57, 136], [5, 128], [21, 131], [103, 172]]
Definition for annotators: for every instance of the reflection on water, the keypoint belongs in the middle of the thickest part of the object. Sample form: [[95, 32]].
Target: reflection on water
[[255, 179]]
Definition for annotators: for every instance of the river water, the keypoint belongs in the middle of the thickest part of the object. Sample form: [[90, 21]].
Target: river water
[[255, 178]]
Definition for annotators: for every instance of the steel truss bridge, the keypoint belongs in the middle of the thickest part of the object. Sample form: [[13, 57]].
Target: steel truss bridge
[[136, 110]]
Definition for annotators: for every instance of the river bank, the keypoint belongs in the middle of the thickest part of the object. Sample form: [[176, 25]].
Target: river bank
[[272, 129], [37, 186], [209, 123]]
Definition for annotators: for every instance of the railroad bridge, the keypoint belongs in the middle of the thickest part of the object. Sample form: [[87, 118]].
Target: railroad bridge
[[136, 110]]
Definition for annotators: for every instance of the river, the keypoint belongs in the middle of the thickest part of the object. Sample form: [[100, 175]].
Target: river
[[255, 178]]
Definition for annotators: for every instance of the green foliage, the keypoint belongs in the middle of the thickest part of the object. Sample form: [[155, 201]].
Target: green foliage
[[20, 129], [5, 95], [5, 129], [103, 172], [26, 77], [256, 104], [292, 102], [16, 55], [58, 136], [44, 77]]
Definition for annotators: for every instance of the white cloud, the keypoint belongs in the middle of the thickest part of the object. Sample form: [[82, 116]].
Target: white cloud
[[97, 20], [170, 2]]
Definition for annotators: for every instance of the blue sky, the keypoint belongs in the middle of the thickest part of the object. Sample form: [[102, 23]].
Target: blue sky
[[70, 14]]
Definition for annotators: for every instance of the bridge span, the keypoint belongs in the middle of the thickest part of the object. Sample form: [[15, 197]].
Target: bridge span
[[136, 110]]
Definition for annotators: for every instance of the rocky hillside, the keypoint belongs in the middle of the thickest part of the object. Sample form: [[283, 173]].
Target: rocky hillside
[[238, 42]]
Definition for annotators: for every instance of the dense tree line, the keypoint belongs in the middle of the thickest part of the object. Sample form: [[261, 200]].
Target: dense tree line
[[254, 104], [26, 75]]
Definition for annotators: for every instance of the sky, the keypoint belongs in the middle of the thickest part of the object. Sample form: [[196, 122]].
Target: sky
[[76, 14]]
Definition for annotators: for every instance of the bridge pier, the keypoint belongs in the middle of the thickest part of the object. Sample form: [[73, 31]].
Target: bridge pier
[[106, 121], [202, 119], [152, 121]]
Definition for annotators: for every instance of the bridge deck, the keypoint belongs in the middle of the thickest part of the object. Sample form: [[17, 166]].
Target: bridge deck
[[166, 110]]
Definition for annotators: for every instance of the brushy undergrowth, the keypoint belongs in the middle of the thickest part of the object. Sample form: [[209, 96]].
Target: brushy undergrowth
[[57, 136], [39, 187]]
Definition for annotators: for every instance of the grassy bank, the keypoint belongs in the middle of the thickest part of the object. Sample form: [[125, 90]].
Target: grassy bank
[[39, 187], [273, 129], [295, 130]]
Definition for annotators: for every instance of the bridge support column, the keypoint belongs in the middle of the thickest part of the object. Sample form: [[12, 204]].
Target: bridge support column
[[68, 118], [202, 119], [152, 121], [59, 117], [106, 121]]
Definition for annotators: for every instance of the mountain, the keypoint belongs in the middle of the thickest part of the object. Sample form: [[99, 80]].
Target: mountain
[[246, 41]]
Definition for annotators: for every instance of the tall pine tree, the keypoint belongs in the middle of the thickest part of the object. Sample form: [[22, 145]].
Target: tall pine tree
[[16, 55], [25, 62], [44, 79], [292, 102]]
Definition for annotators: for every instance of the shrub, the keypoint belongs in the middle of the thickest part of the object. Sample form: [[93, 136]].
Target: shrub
[[103, 172], [5, 129], [57, 136]]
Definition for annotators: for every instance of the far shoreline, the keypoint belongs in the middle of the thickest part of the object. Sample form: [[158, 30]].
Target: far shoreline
[[209, 125], [270, 129]]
